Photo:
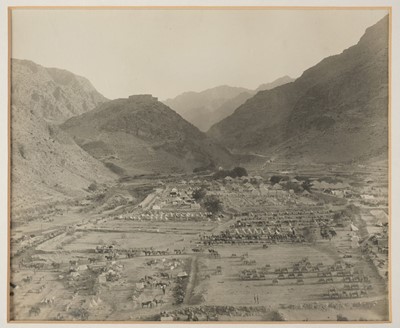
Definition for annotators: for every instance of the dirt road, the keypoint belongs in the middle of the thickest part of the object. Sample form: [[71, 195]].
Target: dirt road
[[190, 297]]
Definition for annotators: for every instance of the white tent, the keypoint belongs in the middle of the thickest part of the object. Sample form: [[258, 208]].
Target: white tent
[[139, 285], [353, 227], [82, 267]]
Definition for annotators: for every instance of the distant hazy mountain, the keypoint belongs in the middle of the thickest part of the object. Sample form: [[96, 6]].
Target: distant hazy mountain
[[46, 163], [141, 134], [205, 108], [336, 111], [278, 82], [199, 108]]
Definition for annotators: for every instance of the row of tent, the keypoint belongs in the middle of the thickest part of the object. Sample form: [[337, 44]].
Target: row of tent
[[259, 231]]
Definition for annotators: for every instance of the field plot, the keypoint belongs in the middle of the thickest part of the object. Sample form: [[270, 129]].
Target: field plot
[[278, 280]]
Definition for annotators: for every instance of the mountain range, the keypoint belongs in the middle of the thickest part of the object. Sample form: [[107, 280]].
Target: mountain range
[[336, 111], [204, 109]]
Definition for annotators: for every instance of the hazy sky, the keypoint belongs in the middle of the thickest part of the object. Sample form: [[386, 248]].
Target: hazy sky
[[167, 52]]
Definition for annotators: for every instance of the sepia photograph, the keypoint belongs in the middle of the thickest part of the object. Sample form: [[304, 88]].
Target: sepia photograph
[[199, 164]]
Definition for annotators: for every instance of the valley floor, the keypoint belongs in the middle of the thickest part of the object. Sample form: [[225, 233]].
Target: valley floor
[[146, 250]]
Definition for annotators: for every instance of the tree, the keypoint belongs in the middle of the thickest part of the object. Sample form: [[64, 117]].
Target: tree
[[239, 172], [80, 313], [332, 232], [340, 317], [277, 316], [307, 185], [213, 204], [292, 185], [93, 187], [234, 173], [337, 216], [278, 178], [351, 210], [221, 174], [311, 234], [199, 194]]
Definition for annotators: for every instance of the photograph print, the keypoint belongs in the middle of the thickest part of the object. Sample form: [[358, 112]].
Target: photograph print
[[199, 164]]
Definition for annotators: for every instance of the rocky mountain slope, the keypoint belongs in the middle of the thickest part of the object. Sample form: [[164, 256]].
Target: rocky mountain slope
[[56, 94], [205, 108], [337, 111], [47, 165], [141, 134]]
